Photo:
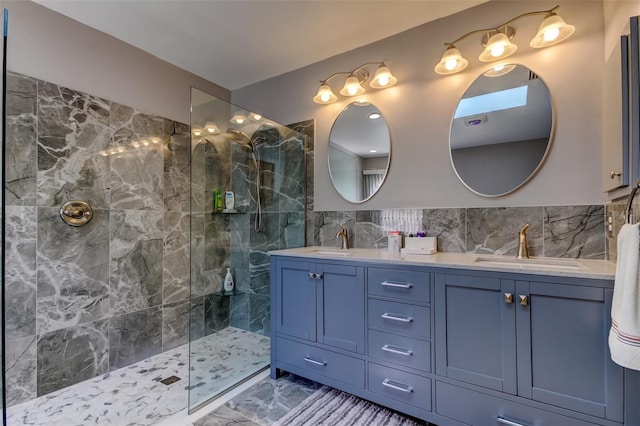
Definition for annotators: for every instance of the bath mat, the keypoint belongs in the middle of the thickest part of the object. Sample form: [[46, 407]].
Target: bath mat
[[331, 407]]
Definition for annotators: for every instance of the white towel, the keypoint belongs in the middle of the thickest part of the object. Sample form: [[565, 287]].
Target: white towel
[[624, 337]]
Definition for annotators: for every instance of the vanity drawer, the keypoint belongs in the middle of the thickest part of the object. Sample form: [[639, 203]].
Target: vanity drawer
[[409, 285], [336, 366], [400, 386], [401, 350], [478, 409], [400, 318]]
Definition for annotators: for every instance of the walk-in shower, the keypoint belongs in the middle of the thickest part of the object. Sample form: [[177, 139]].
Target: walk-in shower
[[130, 320], [263, 164]]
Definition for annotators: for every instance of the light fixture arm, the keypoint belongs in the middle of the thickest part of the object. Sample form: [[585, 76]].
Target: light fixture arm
[[354, 72], [499, 27]]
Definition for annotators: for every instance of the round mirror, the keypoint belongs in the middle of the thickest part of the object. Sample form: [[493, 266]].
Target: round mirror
[[359, 151], [501, 130]]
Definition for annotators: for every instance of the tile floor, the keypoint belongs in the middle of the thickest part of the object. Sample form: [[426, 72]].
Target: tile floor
[[134, 396]]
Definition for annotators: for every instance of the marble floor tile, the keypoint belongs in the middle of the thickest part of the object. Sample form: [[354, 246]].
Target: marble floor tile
[[133, 395]]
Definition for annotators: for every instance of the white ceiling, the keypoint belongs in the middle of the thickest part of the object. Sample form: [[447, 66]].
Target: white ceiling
[[234, 43]]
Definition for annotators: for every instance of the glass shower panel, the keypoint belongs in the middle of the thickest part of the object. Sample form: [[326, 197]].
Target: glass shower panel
[[263, 164]]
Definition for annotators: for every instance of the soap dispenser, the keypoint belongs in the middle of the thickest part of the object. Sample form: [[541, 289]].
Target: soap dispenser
[[228, 282]]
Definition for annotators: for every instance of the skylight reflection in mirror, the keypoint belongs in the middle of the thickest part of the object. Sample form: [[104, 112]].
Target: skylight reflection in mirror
[[490, 102]]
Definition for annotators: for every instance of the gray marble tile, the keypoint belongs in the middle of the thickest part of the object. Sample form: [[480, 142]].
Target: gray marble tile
[[136, 176], [241, 178], [216, 313], [369, 232], [176, 257], [574, 231], [203, 281], [175, 325], [136, 260], [495, 230], [293, 182], [448, 225], [69, 356], [271, 168], [241, 228], [198, 202], [196, 318], [269, 400], [261, 242], [326, 227], [73, 280], [224, 416], [239, 311], [260, 314], [292, 230], [21, 140], [134, 337], [20, 369], [176, 169], [307, 129], [73, 129], [20, 271]]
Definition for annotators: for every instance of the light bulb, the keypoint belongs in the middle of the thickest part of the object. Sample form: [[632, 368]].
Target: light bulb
[[551, 34], [325, 97], [352, 90], [450, 64], [497, 50], [196, 130]]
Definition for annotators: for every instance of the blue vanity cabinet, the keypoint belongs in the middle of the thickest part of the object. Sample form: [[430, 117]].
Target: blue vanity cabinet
[[563, 352], [476, 331], [321, 302], [319, 319], [544, 340]]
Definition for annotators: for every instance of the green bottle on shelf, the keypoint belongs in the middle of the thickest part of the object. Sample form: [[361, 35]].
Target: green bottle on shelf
[[217, 201]]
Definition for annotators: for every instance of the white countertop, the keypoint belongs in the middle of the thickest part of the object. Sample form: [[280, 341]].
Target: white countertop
[[579, 268]]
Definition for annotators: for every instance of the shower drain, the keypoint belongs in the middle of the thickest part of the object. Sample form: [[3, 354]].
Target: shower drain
[[170, 380]]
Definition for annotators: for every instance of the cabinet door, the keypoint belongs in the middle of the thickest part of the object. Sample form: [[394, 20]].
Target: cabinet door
[[341, 308], [296, 299], [475, 331], [563, 352]]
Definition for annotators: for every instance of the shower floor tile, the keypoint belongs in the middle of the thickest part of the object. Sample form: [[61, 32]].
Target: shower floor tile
[[133, 395]]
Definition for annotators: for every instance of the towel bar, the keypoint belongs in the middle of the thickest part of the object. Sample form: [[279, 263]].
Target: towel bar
[[634, 190]]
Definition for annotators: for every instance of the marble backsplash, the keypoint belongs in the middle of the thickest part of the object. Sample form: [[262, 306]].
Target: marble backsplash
[[616, 211], [85, 301], [555, 231]]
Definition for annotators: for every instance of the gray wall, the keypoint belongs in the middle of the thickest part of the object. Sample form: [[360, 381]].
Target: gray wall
[[49, 46], [419, 108]]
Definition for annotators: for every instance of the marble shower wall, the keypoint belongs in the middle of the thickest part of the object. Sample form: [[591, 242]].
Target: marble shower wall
[[555, 231], [85, 301]]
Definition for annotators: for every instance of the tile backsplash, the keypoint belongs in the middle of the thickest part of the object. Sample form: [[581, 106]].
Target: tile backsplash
[[555, 231]]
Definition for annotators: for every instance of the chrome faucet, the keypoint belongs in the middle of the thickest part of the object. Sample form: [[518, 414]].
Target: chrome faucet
[[523, 253], [344, 234]]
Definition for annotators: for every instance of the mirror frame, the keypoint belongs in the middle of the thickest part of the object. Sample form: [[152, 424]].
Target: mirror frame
[[386, 173], [542, 160]]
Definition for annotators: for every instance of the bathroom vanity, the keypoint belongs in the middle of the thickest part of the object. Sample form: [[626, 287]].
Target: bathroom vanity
[[454, 339]]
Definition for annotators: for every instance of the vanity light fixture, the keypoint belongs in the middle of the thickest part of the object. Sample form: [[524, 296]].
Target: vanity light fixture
[[197, 131], [497, 41], [382, 79]]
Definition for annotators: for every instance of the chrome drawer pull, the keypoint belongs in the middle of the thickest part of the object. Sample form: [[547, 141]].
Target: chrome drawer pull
[[399, 386], [392, 317], [504, 421], [314, 362], [397, 285], [399, 351]]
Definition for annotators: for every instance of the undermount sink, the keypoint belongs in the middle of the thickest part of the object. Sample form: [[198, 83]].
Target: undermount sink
[[531, 262], [328, 251]]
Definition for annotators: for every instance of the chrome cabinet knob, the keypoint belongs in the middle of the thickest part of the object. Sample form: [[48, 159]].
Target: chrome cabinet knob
[[524, 300], [613, 174], [508, 298]]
